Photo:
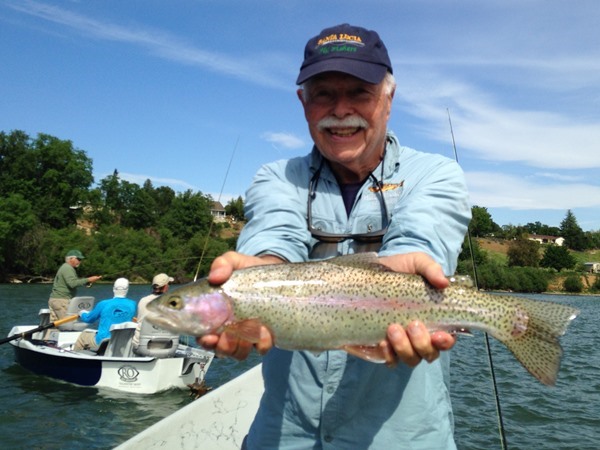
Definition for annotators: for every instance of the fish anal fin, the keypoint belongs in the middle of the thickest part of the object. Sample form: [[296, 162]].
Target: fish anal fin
[[248, 330], [374, 354]]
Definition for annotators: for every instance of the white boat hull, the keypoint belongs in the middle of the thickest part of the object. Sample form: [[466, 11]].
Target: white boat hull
[[132, 374]]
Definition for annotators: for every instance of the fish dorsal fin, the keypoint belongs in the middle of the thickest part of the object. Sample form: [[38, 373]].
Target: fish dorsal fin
[[367, 260]]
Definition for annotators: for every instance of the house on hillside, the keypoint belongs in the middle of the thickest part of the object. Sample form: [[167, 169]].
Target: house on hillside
[[543, 239], [592, 267], [218, 212]]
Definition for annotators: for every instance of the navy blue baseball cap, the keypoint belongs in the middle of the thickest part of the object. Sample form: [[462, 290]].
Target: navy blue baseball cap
[[349, 49]]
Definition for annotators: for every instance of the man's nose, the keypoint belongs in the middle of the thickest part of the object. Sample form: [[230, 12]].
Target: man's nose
[[343, 106]]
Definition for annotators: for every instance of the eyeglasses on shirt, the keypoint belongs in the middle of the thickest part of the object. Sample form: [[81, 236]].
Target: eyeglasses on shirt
[[324, 236]]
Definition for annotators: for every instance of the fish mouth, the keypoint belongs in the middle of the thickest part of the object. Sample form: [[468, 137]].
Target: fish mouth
[[160, 321], [168, 322]]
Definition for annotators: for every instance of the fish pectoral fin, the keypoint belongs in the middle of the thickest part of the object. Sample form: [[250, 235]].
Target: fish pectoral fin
[[248, 330], [374, 354]]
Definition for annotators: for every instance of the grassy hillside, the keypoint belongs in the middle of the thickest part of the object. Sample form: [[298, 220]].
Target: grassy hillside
[[497, 249]]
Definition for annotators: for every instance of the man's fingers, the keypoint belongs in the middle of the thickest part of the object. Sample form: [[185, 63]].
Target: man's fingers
[[208, 342], [421, 341], [442, 340], [266, 341], [402, 346], [414, 343]]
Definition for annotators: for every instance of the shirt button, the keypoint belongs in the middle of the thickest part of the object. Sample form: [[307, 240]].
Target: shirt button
[[328, 438], [330, 390]]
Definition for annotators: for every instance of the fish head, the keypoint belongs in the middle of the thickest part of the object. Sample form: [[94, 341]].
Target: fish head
[[195, 309]]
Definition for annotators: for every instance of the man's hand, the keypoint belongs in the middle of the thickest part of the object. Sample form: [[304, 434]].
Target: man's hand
[[415, 343], [226, 344]]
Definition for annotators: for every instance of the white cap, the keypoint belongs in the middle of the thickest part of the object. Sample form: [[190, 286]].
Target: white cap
[[162, 279], [121, 287]]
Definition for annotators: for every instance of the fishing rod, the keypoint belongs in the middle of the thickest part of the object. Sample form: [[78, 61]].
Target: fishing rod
[[501, 427], [218, 200], [28, 333]]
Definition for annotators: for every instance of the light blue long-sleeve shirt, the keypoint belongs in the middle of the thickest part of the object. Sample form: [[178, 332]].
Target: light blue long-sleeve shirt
[[333, 400], [110, 312]]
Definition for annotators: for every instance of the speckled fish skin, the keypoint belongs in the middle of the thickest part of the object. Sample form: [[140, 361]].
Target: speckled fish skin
[[350, 301]]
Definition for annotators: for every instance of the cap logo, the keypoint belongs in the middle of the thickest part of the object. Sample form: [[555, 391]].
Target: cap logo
[[339, 43]]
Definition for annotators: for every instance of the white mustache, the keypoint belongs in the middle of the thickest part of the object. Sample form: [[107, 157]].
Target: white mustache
[[346, 122]]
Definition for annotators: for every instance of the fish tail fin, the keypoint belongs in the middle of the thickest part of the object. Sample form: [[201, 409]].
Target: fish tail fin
[[538, 348]]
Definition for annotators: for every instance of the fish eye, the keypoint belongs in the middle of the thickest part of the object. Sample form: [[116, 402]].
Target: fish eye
[[175, 302]]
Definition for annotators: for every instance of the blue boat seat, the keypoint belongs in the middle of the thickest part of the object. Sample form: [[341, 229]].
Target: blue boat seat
[[75, 305], [155, 341], [121, 340]]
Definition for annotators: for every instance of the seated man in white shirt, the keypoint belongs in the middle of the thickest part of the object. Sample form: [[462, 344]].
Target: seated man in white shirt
[[160, 285]]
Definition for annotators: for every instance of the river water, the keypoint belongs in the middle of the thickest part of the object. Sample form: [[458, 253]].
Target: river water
[[40, 413]]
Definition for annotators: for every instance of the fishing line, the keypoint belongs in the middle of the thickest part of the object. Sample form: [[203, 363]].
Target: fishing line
[[151, 263], [218, 200], [501, 428]]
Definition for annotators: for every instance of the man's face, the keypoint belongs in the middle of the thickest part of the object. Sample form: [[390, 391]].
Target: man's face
[[347, 119], [74, 262]]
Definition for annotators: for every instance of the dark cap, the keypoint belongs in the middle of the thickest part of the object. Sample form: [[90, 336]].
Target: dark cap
[[75, 254], [348, 49]]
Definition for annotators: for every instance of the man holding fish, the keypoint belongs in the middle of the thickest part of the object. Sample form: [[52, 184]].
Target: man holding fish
[[358, 190]]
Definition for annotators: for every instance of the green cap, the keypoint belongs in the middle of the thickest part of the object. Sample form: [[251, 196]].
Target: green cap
[[75, 254]]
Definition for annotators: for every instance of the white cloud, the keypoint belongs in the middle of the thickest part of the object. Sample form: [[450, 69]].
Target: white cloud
[[495, 132], [285, 140], [257, 68], [140, 179], [497, 190]]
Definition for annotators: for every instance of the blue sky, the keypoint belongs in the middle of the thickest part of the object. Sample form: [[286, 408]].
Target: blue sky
[[175, 91]]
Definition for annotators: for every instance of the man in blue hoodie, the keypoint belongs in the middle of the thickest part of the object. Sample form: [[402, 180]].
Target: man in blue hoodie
[[109, 312]]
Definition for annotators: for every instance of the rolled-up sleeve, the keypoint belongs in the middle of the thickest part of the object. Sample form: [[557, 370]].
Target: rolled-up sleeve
[[275, 207], [433, 213]]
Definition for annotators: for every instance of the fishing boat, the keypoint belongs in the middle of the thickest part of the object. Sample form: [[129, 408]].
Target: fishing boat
[[158, 363]]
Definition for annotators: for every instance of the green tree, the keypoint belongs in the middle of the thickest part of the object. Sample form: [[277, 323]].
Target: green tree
[[523, 252], [574, 236], [509, 232], [123, 202], [593, 239], [64, 176], [44, 249], [52, 175], [189, 214], [142, 211], [16, 219], [596, 284], [481, 222], [471, 255], [573, 284], [235, 208], [531, 279], [45, 192], [558, 258], [540, 228]]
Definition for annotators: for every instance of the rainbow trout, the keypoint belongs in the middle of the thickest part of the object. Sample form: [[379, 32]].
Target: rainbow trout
[[348, 302]]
